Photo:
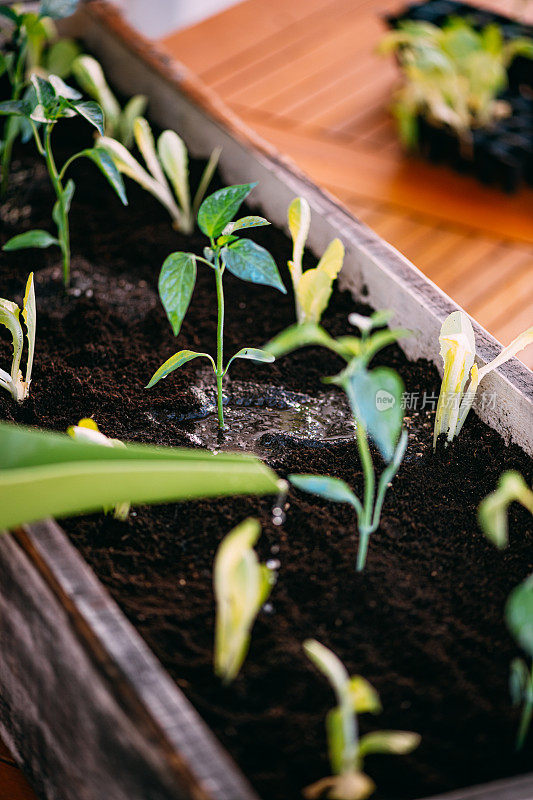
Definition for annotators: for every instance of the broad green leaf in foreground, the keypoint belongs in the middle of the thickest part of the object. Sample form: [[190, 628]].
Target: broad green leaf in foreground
[[49, 474]]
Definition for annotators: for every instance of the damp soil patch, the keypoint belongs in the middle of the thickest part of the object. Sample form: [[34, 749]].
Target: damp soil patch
[[423, 623]]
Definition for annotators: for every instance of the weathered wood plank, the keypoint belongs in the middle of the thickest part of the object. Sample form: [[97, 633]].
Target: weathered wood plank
[[83, 701]]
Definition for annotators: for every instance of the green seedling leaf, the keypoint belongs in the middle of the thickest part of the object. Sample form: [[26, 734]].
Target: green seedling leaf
[[135, 107], [332, 259], [313, 293], [176, 285], [253, 354], [519, 614], [107, 167], [395, 742], [62, 89], [91, 78], [329, 488], [45, 474], [17, 107], [219, 208], [173, 363], [58, 9], [91, 112], [9, 13], [241, 586], [145, 142], [296, 336], [61, 56], [375, 397], [492, 511], [244, 222], [250, 262], [35, 238], [205, 180], [175, 160]]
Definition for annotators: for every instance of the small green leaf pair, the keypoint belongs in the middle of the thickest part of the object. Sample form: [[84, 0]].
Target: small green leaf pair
[[10, 313], [242, 257], [169, 160], [46, 103], [312, 288], [375, 397], [347, 750], [242, 585], [458, 352], [118, 122]]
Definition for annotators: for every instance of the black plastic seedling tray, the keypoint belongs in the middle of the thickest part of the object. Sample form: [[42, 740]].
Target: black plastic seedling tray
[[501, 155]]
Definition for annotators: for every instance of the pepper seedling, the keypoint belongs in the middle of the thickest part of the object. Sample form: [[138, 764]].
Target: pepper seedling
[[170, 158], [458, 352], [49, 102], [242, 257], [13, 381], [30, 31], [87, 431], [375, 399], [492, 511], [347, 749], [312, 288], [118, 122], [241, 585], [519, 617]]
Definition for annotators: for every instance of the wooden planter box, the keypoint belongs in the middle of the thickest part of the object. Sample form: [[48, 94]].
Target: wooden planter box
[[84, 705]]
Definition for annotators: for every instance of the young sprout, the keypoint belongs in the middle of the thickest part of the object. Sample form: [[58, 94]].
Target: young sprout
[[30, 31], [519, 616], [13, 381], [312, 288], [241, 585], [170, 158], [347, 749], [375, 397], [492, 511], [458, 351], [87, 431], [118, 122], [242, 257], [48, 102]]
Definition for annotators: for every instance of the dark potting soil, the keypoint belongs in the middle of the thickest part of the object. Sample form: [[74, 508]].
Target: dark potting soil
[[424, 622]]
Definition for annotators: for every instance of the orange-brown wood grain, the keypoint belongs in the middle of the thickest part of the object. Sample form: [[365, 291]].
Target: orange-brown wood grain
[[306, 76], [13, 784]]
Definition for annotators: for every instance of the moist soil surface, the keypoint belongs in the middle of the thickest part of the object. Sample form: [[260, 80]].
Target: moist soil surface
[[423, 623]]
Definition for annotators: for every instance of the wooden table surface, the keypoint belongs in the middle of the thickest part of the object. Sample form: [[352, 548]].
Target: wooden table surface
[[305, 75]]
